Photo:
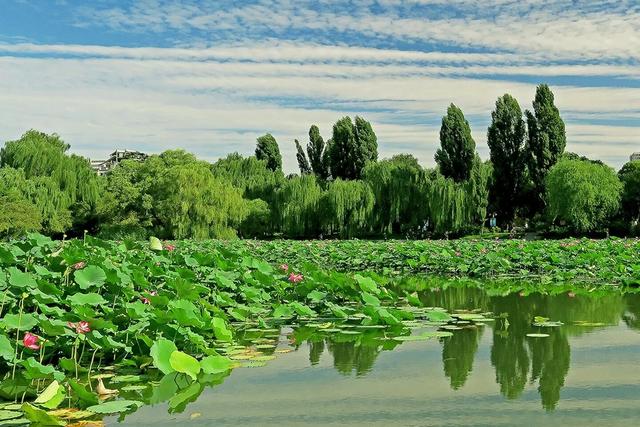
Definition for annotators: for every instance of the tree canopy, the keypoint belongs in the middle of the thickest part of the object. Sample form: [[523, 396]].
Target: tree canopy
[[267, 149], [457, 147], [352, 146]]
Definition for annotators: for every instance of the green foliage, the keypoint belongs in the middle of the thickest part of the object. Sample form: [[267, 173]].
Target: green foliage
[[303, 163], [546, 142], [318, 154], [267, 149], [347, 206], [57, 183], [398, 186], [583, 194], [457, 147], [250, 175], [506, 140], [353, 146], [630, 177], [296, 206]]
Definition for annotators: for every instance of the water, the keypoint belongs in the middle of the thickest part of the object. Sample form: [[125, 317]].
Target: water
[[586, 372]]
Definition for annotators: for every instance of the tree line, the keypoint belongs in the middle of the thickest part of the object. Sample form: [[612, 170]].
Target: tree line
[[342, 190]]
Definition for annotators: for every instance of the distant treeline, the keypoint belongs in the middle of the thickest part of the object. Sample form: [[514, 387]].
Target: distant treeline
[[343, 190]]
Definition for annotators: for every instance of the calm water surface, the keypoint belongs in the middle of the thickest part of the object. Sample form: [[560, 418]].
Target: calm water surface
[[586, 372]]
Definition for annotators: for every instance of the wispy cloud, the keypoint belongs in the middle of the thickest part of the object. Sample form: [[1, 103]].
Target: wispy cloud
[[192, 74]]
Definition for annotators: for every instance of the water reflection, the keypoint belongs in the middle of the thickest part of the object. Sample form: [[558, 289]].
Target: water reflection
[[517, 359]]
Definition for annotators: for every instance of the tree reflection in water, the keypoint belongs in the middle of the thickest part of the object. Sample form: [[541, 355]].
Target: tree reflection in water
[[516, 358]]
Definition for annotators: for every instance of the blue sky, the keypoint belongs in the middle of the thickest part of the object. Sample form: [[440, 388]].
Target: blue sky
[[211, 76]]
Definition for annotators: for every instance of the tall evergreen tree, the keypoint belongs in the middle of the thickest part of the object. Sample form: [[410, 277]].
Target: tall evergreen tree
[[267, 149], [317, 152], [303, 163], [546, 142], [353, 146], [458, 149], [506, 140]]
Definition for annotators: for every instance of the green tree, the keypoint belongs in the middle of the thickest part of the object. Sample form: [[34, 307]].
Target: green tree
[[458, 149], [353, 145], [583, 194], [249, 174], [296, 206], [303, 163], [397, 186], [506, 140], [347, 208], [630, 177], [18, 216], [267, 149], [318, 153], [45, 162], [546, 142]]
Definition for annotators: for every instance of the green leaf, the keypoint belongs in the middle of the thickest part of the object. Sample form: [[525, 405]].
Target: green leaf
[[215, 364], [86, 299], [155, 244], [23, 323], [370, 299], [34, 369], [21, 280], [48, 393], [89, 277], [82, 393], [367, 284], [221, 330], [438, 316], [114, 406], [9, 415], [6, 349], [40, 417], [183, 363], [161, 352]]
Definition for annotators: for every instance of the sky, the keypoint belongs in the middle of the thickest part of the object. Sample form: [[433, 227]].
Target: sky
[[211, 76]]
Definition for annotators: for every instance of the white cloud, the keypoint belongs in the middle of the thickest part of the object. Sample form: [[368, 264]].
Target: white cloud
[[213, 107]]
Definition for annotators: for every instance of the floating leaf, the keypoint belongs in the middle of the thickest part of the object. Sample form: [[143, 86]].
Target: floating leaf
[[538, 335], [9, 415], [161, 351], [40, 417], [114, 406], [183, 363], [215, 364]]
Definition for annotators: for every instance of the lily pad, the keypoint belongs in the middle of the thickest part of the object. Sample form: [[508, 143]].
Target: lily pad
[[538, 335]]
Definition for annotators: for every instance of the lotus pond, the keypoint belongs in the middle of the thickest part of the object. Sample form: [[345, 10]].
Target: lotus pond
[[287, 333]]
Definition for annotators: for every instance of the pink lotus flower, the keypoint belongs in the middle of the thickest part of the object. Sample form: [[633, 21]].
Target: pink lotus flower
[[31, 341], [295, 278], [79, 265], [82, 327], [146, 300], [170, 248], [284, 267]]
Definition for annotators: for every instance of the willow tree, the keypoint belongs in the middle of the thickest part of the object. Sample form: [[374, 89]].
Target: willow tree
[[39, 154], [43, 193], [396, 184], [195, 204], [296, 206], [249, 174], [347, 207], [448, 205], [46, 156]]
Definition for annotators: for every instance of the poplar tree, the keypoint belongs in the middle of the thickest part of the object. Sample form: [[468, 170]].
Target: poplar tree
[[546, 142], [267, 149], [457, 147], [506, 140], [318, 153], [353, 146], [303, 163]]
